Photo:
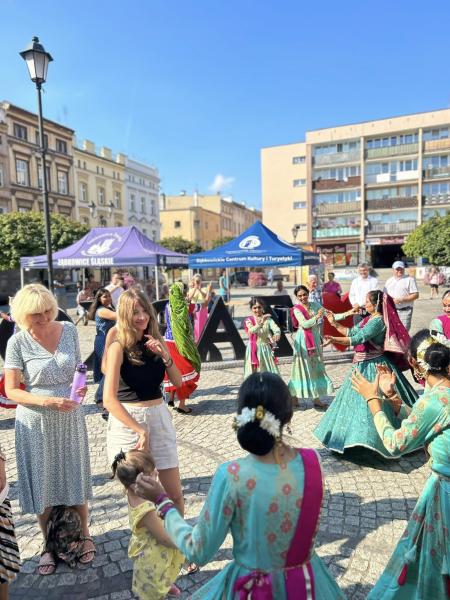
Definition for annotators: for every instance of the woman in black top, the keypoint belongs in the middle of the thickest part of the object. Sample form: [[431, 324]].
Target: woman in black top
[[135, 368]]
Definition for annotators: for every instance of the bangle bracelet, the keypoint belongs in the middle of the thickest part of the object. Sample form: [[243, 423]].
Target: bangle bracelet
[[163, 503], [169, 363], [162, 512], [373, 398], [161, 497], [391, 396]]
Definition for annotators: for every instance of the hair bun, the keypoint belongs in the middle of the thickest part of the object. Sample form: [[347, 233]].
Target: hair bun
[[437, 357]]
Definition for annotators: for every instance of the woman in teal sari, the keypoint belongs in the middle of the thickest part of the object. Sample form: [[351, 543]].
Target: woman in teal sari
[[263, 334], [308, 376], [348, 422], [419, 569]]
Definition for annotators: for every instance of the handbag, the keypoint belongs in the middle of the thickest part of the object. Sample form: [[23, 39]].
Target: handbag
[[4, 400]]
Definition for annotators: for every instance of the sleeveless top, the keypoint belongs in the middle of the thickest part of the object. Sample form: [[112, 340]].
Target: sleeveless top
[[141, 382], [103, 325]]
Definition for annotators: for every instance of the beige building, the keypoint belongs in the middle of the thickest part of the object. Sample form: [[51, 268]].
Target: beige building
[[99, 186], [204, 218], [354, 192], [20, 168]]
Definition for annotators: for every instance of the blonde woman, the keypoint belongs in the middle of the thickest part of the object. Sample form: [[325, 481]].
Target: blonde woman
[[136, 363], [200, 298], [52, 448]]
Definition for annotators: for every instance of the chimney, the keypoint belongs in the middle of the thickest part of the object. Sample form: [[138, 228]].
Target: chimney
[[105, 152]]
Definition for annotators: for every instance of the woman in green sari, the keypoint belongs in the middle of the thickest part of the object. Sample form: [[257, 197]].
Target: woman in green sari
[[419, 569]]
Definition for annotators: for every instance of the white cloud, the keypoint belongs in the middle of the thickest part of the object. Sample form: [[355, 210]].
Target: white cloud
[[221, 183]]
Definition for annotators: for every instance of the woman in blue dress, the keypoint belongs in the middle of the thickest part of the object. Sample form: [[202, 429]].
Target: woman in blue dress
[[269, 501], [104, 314], [419, 568], [348, 422]]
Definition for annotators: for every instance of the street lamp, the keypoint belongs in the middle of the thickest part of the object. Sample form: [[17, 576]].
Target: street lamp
[[294, 235], [37, 60]]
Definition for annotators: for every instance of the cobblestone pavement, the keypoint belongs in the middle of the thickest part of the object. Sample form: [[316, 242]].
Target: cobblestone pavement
[[367, 502]]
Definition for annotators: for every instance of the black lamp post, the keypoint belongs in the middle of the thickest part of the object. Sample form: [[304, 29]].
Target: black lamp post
[[294, 235], [37, 60]]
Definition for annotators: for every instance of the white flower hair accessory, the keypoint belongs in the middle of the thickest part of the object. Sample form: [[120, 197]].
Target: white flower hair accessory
[[267, 420]]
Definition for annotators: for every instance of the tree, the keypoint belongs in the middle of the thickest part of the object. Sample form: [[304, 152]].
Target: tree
[[431, 241], [178, 244], [221, 241], [23, 234]]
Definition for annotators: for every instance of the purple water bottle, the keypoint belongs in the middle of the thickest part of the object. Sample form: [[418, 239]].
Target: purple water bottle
[[79, 380]]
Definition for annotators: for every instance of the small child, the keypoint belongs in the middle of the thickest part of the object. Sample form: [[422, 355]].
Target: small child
[[157, 561]]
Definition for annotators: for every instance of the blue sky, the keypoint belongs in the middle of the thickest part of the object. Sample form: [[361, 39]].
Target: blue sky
[[198, 87]]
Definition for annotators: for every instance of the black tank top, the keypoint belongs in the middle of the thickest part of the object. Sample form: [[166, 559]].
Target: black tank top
[[141, 382]]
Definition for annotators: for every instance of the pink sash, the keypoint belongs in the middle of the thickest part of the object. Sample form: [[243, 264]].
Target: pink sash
[[309, 336], [299, 575], [445, 325], [366, 350], [252, 337]]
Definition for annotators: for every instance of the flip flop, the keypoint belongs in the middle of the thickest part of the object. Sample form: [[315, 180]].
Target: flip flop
[[86, 551], [46, 560], [192, 568], [171, 403], [184, 411]]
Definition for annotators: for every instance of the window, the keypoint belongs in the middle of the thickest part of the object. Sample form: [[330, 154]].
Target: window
[[436, 134], [84, 164], [144, 231], [299, 182], [101, 196], [98, 169], [435, 162], [143, 207], [62, 182], [117, 199], [79, 163], [299, 205], [84, 192], [2, 183], [20, 131], [22, 174], [133, 203], [298, 160], [61, 146], [337, 197], [40, 184], [38, 139], [177, 224]]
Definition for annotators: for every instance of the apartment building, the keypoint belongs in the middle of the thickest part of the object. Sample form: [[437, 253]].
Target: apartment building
[[99, 185], [142, 197], [204, 218], [20, 163], [354, 192]]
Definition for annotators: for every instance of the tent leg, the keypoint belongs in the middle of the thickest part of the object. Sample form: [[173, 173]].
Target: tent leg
[[227, 275], [22, 277], [83, 277], [156, 282]]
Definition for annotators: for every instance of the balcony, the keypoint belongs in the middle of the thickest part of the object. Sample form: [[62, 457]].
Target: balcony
[[391, 177], [337, 208], [391, 203], [337, 158], [329, 232], [400, 150], [398, 227], [437, 172], [336, 184], [436, 145], [436, 199]]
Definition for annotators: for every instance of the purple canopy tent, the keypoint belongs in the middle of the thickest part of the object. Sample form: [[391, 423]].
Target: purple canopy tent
[[108, 247]]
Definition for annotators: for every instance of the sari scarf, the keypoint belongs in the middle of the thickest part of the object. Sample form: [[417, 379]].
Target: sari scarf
[[182, 328], [299, 575], [309, 336], [252, 338]]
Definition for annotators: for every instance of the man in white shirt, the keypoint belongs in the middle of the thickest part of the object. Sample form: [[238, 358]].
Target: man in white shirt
[[403, 289], [281, 290], [360, 286], [115, 288]]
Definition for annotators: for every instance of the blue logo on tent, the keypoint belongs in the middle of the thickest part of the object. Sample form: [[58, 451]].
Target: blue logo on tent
[[250, 242]]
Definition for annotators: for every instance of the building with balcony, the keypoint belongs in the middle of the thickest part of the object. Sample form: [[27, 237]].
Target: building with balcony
[[142, 197], [206, 218], [363, 188], [99, 186], [20, 163]]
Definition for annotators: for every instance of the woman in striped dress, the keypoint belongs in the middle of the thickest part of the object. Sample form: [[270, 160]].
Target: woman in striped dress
[[9, 551]]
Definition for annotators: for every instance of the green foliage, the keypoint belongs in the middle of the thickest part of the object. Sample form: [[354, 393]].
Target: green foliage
[[431, 240], [221, 241], [178, 244], [23, 234]]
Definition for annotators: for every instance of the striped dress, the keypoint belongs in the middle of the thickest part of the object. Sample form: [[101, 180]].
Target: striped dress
[[9, 550]]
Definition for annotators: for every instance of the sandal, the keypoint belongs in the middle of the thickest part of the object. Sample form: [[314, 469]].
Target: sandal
[[192, 568], [174, 591], [184, 411], [171, 403], [85, 540], [319, 404], [47, 564]]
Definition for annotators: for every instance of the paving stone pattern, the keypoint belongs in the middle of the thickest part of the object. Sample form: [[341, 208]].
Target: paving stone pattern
[[367, 502]]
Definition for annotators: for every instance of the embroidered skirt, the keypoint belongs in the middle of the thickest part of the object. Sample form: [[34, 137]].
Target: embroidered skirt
[[189, 375], [9, 550]]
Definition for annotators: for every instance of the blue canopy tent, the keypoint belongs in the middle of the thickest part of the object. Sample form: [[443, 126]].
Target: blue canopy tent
[[258, 246], [108, 247]]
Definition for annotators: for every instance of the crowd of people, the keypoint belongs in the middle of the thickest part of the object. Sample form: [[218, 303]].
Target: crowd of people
[[273, 557]]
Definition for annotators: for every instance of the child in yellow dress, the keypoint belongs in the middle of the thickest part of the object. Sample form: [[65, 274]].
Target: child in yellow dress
[[157, 561]]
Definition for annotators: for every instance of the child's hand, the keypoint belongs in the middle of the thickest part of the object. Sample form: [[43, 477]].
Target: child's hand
[[147, 487]]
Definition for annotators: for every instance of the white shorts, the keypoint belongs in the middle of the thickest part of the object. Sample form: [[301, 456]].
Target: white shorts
[[158, 421]]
